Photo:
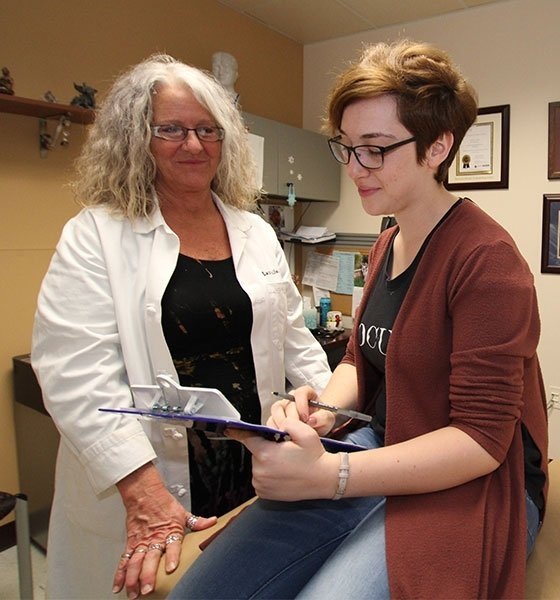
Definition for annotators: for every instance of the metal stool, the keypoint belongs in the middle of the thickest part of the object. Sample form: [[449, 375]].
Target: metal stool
[[19, 501]]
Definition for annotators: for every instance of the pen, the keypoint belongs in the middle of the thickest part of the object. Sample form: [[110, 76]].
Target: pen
[[347, 412]]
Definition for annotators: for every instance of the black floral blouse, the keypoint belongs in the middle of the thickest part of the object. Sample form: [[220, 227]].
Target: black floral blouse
[[207, 320]]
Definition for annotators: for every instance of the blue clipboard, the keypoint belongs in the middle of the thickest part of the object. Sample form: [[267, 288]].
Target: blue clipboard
[[205, 409], [215, 426]]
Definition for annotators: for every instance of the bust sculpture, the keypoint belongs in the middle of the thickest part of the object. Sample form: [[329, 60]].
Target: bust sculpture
[[224, 68]]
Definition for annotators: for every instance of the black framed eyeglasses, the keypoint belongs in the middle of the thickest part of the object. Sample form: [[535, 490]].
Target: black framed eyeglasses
[[176, 133], [369, 156]]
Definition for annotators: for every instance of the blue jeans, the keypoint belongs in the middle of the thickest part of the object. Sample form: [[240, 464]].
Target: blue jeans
[[308, 550], [278, 550], [533, 523]]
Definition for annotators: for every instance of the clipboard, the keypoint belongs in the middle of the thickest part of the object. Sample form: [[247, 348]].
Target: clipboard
[[205, 409]]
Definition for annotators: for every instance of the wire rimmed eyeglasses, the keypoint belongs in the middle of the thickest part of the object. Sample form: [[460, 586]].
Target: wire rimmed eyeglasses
[[369, 156], [177, 133]]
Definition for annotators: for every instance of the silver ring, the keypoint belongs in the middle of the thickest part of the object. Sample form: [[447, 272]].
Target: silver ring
[[140, 550], [126, 555], [157, 546], [174, 537], [191, 522]]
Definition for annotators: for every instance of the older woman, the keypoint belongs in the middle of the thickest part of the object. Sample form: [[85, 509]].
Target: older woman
[[165, 271]]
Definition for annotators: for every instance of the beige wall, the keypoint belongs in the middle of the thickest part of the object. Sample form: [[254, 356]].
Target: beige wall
[[48, 44], [509, 51]]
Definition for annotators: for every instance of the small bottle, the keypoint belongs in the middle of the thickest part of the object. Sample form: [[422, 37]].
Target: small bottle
[[309, 314], [324, 307]]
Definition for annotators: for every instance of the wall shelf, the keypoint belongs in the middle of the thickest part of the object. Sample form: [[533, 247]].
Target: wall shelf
[[45, 110]]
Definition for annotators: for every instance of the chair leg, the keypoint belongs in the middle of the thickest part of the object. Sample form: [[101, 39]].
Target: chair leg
[[23, 548]]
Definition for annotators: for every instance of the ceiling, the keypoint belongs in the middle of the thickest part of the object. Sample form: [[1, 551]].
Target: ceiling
[[308, 21]]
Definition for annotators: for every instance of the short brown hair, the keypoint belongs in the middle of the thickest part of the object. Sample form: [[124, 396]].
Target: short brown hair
[[432, 95]]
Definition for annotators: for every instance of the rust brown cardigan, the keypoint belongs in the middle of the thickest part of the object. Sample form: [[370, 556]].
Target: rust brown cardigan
[[462, 353]]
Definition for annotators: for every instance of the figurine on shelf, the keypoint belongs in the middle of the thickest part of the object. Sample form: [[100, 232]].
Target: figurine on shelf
[[6, 82], [48, 96], [86, 98]]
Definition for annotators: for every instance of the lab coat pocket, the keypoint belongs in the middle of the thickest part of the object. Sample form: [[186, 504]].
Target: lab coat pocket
[[277, 312]]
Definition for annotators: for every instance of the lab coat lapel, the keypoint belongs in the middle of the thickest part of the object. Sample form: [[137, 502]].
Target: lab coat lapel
[[163, 260], [237, 226]]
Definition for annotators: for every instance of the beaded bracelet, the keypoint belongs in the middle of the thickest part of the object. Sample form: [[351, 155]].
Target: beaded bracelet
[[343, 474]]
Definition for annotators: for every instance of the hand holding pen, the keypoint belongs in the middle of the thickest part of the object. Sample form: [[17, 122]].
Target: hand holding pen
[[346, 412]]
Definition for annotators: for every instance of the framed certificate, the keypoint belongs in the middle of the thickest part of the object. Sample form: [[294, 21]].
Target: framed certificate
[[482, 161]]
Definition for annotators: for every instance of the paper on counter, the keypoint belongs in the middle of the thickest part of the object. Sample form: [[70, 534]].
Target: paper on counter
[[308, 232]]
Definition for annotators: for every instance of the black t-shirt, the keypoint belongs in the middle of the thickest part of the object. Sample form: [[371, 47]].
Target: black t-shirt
[[376, 325], [374, 333], [207, 319]]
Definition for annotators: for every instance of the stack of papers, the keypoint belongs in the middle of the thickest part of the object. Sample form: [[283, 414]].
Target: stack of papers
[[307, 235]]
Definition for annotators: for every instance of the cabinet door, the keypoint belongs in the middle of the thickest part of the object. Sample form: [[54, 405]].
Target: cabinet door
[[267, 129], [296, 156], [304, 159]]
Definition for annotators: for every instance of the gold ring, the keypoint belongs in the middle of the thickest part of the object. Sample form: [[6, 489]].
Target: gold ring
[[157, 546], [140, 550], [126, 555]]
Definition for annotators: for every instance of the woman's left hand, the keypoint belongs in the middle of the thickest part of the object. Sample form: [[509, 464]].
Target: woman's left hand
[[299, 469], [155, 524]]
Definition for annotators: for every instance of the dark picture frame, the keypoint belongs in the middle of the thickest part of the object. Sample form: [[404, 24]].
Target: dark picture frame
[[554, 140], [482, 161], [550, 250]]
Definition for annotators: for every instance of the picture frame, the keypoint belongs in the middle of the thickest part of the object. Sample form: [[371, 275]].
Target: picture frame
[[482, 160], [554, 140], [550, 250]]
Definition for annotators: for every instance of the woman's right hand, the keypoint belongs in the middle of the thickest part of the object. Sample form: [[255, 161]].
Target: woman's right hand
[[321, 420], [156, 524]]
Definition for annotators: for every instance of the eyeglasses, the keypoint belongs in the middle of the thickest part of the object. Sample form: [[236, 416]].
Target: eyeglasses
[[370, 157], [176, 133]]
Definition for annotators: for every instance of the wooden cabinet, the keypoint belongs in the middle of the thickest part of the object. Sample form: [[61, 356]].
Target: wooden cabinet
[[298, 157]]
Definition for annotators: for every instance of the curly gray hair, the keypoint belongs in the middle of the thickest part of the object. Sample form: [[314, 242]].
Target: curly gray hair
[[116, 168]]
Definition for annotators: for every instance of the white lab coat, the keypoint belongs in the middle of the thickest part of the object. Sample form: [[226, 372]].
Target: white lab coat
[[98, 330]]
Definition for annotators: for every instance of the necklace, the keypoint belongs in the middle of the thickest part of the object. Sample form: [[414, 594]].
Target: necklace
[[210, 275]]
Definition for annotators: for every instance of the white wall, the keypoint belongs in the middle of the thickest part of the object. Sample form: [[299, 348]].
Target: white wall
[[510, 51]]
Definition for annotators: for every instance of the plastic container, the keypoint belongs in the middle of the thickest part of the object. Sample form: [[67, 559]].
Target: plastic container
[[309, 314], [324, 308]]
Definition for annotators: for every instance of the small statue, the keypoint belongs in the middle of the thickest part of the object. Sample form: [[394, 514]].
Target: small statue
[[49, 96], [86, 98], [224, 68], [6, 82]]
